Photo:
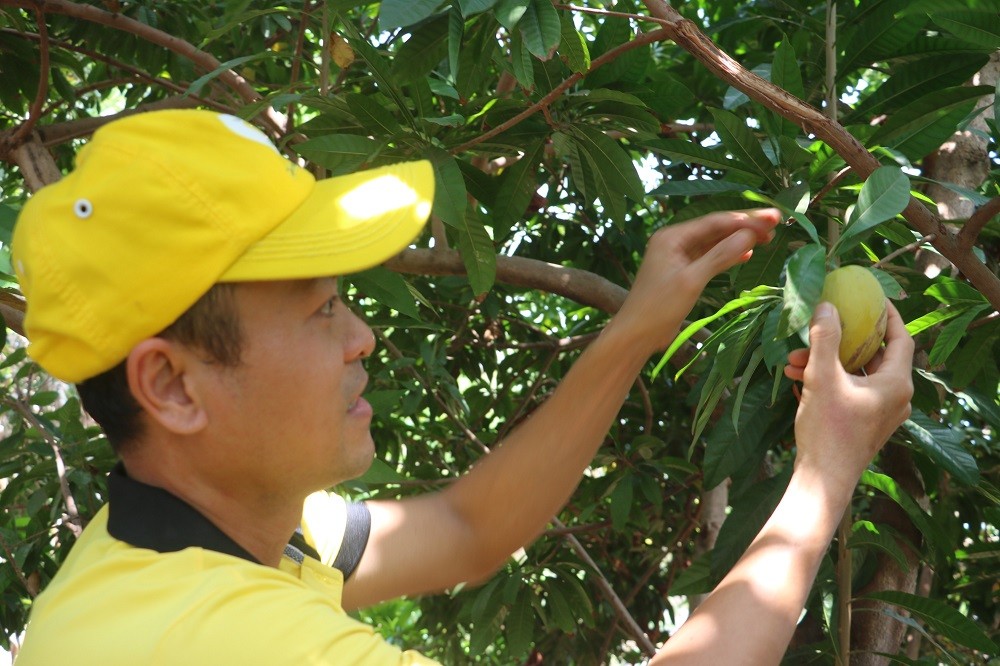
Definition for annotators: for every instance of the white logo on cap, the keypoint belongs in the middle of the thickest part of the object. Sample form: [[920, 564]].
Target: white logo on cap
[[246, 130]]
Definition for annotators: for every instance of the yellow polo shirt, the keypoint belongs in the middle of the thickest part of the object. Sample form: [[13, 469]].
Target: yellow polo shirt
[[173, 589]]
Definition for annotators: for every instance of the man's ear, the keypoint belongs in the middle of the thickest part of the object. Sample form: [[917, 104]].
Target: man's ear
[[160, 381]]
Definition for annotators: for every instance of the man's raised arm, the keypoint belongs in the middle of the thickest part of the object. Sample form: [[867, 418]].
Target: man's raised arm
[[467, 530]]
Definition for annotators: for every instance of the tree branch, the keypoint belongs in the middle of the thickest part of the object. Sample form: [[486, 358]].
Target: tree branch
[[970, 232], [579, 285], [202, 59], [621, 612], [35, 112], [142, 74], [74, 523], [640, 40], [688, 36]]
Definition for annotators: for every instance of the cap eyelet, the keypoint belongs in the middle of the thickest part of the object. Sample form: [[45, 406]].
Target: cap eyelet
[[83, 208]]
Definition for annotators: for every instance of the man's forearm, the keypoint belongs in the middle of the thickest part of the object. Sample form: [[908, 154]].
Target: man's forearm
[[757, 605]]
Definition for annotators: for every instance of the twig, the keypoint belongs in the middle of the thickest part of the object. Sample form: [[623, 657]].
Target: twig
[[640, 40], [903, 250], [967, 236], [434, 394], [832, 183], [297, 62], [202, 59], [35, 112], [17, 570], [100, 57], [621, 612], [605, 12], [74, 523]]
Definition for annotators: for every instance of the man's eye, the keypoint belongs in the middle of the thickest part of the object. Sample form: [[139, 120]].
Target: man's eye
[[328, 308]]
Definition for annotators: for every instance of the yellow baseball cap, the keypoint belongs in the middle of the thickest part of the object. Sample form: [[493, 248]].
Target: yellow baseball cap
[[162, 205]]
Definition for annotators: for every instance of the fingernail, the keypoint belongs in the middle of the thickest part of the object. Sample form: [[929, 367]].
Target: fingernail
[[823, 310]]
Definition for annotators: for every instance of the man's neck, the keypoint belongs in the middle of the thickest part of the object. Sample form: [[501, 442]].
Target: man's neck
[[260, 524]]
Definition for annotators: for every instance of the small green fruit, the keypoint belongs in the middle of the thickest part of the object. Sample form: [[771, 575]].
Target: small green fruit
[[860, 302]]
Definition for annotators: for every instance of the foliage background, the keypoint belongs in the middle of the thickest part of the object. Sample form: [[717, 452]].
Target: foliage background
[[562, 136]]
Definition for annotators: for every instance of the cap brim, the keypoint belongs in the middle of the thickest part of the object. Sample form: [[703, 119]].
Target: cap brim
[[346, 224]]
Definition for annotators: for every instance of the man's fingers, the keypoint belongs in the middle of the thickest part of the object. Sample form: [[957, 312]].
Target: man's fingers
[[707, 231], [898, 342], [824, 342], [726, 253]]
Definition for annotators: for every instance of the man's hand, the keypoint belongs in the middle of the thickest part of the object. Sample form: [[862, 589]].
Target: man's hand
[[842, 422], [678, 263], [843, 419]]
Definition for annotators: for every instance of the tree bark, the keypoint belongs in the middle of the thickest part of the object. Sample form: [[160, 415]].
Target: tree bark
[[871, 630]]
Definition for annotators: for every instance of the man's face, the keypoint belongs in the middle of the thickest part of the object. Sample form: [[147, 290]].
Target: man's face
[[290, 417]]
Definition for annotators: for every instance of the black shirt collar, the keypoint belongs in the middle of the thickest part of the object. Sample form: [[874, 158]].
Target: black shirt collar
[[149, 517]]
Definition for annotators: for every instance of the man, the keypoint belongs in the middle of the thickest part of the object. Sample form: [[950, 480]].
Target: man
[[185, 276]]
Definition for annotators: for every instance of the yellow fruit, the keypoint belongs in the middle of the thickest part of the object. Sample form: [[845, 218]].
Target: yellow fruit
[[860, 302]]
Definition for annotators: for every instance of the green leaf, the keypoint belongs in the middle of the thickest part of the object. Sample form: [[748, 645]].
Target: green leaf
[[729, 447], [696, 188], [954, 292], [621, 502], [450, 199], [202, 81], [423, 51], [520, 624], [378, 68], [380, 474], [521, 62], [952, 334], [614, 161], [388, 288], [8, 216], [690, 152], [909, 129], [967, 362], [241, 17], [932, 533], [374, 117], [340, 153], [883, 196], [944, 446], [982, 28], [748, 516], [472, 7], [734, 342], [752, 297], [741, 142], [941, 617], [804, 275], [456, 32], [518, 186], [865, 534], [510, 12], [562, 612], [931, 319], [478, 253], [890, 286], [755, 359], [911, 81], [540, 28], [785, 72], [573, 45], [400, 13]]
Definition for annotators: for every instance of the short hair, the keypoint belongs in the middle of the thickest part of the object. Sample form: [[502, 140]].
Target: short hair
[[211, 325]]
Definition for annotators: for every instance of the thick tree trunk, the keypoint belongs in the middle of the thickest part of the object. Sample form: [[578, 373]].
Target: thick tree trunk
[[713, 514], [962, 160], [871, 630]]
